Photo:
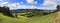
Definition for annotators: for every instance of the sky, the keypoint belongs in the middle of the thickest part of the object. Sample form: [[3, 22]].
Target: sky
[[30, 4]]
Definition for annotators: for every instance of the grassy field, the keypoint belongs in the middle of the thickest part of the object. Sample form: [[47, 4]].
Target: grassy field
[[43, 19], [5, 19], [35, 19]]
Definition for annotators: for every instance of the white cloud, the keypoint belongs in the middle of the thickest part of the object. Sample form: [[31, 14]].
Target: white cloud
[[46, 8], [14, 5], [19, 6], [26, 7], [31, 1], [58, 2], [35, 2], [21, 3], [50, 4], [1, 0], [4, 3]]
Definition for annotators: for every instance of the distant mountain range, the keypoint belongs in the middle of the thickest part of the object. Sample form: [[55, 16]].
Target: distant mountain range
[[23, 10], [28, 10]]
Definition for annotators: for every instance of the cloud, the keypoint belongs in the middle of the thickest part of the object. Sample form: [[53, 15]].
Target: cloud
[[31, 1], [51, 4], [58, 2], [19, 6], [2, 0], [13, 5], [4, 3], [35, 2], [21, 3], [26, 7]]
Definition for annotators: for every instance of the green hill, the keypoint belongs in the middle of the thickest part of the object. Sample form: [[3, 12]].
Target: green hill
[[5, 19], [35, 19]]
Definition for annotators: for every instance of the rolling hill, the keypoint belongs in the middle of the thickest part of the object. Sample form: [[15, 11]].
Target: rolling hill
[[36, 19]]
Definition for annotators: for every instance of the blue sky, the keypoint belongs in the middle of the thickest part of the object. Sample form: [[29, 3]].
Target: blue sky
[[30, 4]]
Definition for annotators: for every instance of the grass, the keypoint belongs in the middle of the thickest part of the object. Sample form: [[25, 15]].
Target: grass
[[5, 19], [43, 19], [35, 19]]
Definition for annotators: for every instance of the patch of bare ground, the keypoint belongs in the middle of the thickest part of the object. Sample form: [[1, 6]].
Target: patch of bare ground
[[57, 18]]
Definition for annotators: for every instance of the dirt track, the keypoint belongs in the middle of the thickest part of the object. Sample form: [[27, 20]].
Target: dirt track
[[57, 18]]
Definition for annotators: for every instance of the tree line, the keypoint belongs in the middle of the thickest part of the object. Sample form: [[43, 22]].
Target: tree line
[[6, 11]]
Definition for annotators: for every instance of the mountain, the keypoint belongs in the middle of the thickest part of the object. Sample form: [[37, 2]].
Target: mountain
[[23, 10], [29, 10]]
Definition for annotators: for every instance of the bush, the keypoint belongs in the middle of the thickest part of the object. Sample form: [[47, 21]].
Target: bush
[[6, 11], [33, 14]]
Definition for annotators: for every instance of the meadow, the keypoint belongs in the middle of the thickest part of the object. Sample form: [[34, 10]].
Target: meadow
[[35, 19]]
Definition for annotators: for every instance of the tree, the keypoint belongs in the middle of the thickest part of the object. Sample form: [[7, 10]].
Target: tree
[[6, 11], [58, 7]]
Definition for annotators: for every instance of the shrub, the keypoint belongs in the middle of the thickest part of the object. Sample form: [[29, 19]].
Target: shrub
[[6, 11], [37, 13]]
